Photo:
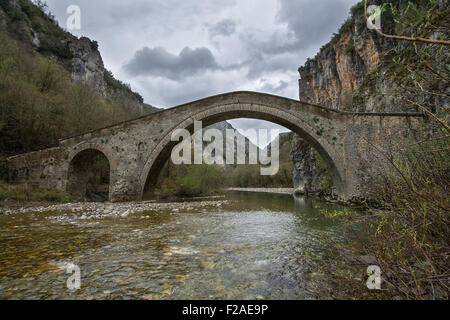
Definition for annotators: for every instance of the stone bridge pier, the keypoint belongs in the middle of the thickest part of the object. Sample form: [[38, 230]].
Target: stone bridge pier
[[136, 150]]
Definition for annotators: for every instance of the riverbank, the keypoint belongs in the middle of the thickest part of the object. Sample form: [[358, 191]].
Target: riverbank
[[291, 191], [107, 209], [246, 248], [264, 190], [25, 193]]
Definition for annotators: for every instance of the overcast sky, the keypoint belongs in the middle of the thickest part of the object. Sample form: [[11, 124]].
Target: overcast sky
[[176, 51]]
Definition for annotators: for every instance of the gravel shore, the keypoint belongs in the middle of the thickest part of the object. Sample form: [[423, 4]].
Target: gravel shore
[[265, 190], [107, 209]]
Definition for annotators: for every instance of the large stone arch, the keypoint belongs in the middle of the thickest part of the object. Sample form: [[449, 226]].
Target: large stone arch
[[330, 153], [75, 175]]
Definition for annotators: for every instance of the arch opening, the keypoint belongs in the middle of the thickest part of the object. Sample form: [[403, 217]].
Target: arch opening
[[89, 176], [158, 159]]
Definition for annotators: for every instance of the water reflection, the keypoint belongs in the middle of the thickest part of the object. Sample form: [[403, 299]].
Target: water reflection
[[302, 203], [259, 246]]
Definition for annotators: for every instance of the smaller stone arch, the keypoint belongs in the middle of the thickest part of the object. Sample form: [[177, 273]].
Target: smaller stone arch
[[80, 160]]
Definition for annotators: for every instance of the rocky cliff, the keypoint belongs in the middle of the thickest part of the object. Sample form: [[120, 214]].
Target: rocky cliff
[[40, 56], [87, 66], [310, 174], [337, 76], [350, 72], [334, 78], [360, 71], [38, 31]]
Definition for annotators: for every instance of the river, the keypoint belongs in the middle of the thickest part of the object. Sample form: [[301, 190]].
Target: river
[[253, 246]]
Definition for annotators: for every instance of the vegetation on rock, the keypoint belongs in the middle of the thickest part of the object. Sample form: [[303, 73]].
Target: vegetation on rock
[[39, 101], [27, 193], [408, 232]]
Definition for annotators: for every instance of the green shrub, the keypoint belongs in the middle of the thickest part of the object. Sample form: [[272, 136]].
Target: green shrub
[[119, 85], [53, 44], [350, 47], [411, 235], [190, 180], [39, 103], [24, 192]]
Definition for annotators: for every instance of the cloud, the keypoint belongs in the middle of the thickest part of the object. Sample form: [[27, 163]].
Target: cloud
[[276, 88], [165, 92], [312, 22], [262, 65], [308, 24], [173, 52], [160, 63], [225, 28]]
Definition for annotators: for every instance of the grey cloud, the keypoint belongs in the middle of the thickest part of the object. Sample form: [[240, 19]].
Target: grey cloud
[[166, 76], [118, 15], [224, 28], [166, 93], [158, 62], [270, 43], [268, 87], [310, 23], [261, 64], [313, 22]]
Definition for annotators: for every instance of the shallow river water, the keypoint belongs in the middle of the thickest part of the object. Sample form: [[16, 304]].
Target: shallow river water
[[257, 246]]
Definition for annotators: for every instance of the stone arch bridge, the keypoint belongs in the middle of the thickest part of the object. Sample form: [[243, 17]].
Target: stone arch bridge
[[137, 149]]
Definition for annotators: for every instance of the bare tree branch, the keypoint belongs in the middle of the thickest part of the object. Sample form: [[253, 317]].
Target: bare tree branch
[[430, 114], [390, 36]]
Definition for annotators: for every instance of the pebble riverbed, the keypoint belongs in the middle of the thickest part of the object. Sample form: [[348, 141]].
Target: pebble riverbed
[[248, 245], [94, 210]]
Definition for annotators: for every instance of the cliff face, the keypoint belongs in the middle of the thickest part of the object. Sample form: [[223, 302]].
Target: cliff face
[[87, 66], [38, 37], [38, 31], [349, 73], [310, 174], [345, 67], [332, 79], [360, 71]]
